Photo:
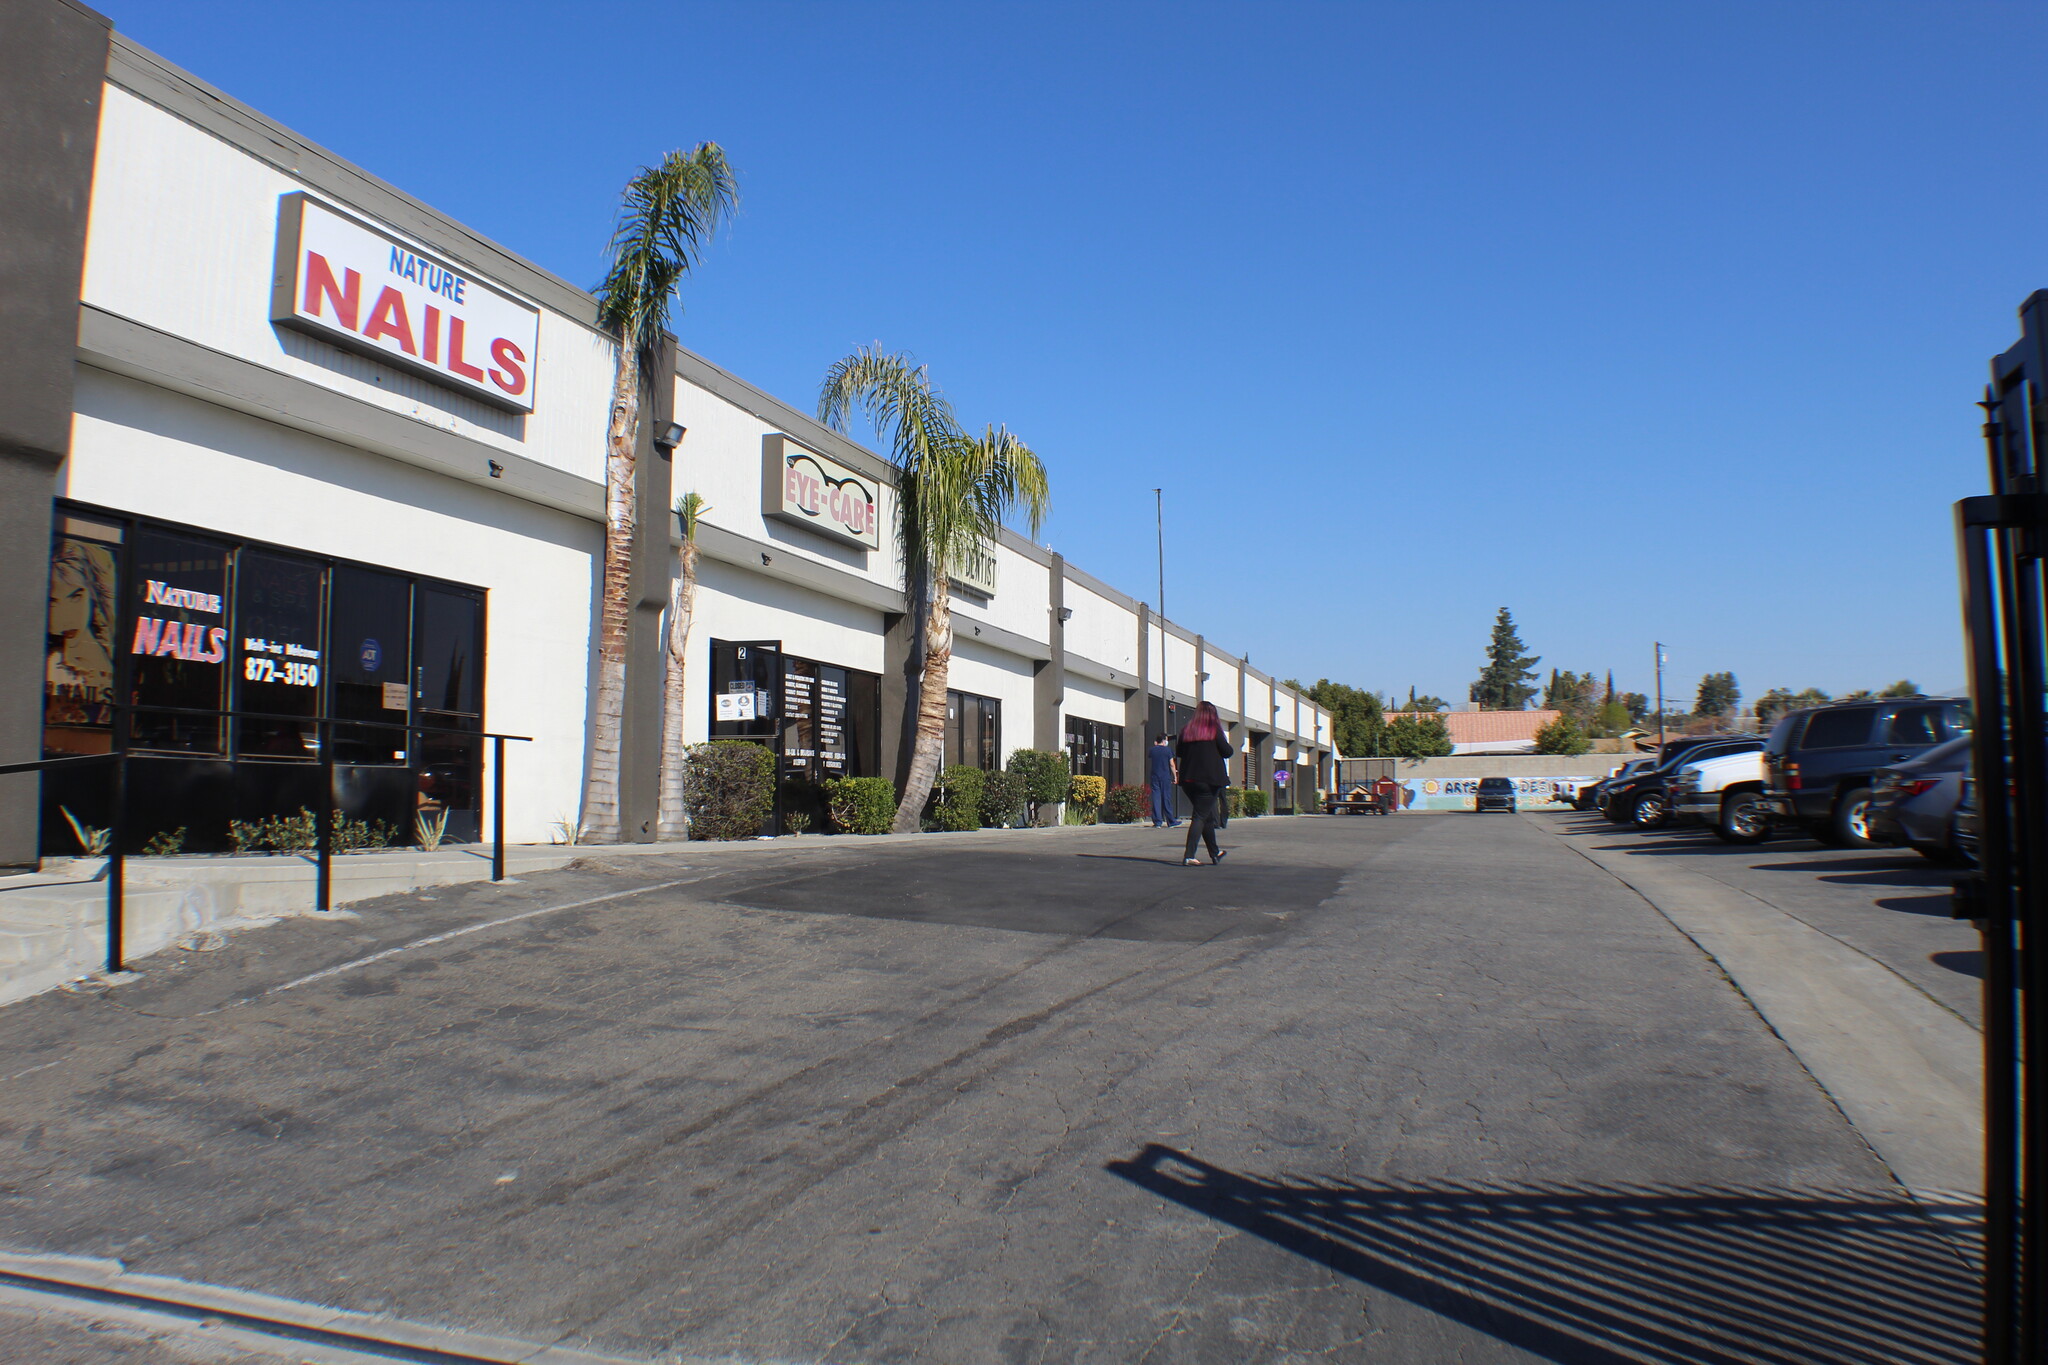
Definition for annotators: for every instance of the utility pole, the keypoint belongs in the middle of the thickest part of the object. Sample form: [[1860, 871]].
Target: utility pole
[[1660, 696]]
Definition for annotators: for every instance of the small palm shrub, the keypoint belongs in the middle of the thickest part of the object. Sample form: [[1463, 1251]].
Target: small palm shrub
[[960, 789], [1044, 773], [165, 842], [728, 788], [1002, 799], [1123, 806], [861, 805]]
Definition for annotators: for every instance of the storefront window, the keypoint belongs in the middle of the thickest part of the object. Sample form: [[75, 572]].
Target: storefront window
[[178, 641], [822, 720], [1096, 749], [80, 649], [973, 730], [371, 667], [450, 677], [278, 608]]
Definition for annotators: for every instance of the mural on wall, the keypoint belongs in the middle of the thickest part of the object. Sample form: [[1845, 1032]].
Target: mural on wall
[[78, 672], [1455, 793]]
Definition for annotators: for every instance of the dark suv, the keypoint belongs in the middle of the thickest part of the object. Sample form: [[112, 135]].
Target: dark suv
[[1818, 763], [1494, 793], [1643, 799]]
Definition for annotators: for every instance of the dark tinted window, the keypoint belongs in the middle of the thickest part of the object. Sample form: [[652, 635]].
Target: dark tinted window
[[277, 653], [1914, 725], [1838, 729], [179, 640], [370, 663], [1495, 784], [1781, 733]]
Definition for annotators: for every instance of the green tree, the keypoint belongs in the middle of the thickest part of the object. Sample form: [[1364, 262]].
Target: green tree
[[1562, 736], [1904, 687], [666, 214], [1504, 682], [1636, 704], [1718, 695], [1575, 694], [951, 497], [1418, 737], [1357, 720], [1609, 720], [1425, 702]]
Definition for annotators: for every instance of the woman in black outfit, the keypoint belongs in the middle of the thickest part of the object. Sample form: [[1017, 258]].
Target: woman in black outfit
[[1204, 754]]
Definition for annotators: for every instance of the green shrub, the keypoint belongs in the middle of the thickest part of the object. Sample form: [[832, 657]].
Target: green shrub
[[1044, 773], [1562, 736], [960, 790], [861, 805], [352, 836], [1255, 802], [1123, 806], [1087, 792], [1002, 799], [728, 788], [165, 842], [1234, 796]]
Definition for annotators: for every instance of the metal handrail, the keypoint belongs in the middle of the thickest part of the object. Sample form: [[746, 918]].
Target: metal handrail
[[124, 749]]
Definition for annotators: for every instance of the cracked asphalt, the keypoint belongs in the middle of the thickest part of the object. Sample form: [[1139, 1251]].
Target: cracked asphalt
[[1419, 1089]]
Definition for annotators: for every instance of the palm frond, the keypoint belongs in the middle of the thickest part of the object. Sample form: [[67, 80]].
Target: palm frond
[[666, 215], [690, 508]]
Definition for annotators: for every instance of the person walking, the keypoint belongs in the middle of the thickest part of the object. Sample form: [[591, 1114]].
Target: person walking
[[1160, 775], [1203, 760]]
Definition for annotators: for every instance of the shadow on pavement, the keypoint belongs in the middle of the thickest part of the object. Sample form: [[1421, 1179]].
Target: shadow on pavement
[[1606, 1274], [1969, 963]]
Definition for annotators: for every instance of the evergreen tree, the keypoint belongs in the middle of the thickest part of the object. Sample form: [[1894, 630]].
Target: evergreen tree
[[1574, 694], [1562, 736], [1424, 702], [1504, 683], [1904, 687], [1636, 704], [1413, 737], [1717, 696]]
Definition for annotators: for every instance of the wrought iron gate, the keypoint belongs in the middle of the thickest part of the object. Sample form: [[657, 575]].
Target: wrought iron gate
[[2002, 538]]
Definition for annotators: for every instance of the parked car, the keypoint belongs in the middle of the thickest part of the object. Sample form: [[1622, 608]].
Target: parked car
[[1914, 803], [1494, 793], [1595, 796], [1819, 763], [1725, 793], [1644, 800], [1964, 826]]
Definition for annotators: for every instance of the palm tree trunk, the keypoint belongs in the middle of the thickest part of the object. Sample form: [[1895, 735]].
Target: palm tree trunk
[[607, 722], [675, 820], [931, 706]]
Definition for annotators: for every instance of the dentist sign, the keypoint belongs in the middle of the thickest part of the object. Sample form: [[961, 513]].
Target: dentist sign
[[360, 286]]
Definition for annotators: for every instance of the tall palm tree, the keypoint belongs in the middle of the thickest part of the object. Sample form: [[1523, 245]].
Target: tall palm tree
[[682, 606], [952, 496], [666, 214]]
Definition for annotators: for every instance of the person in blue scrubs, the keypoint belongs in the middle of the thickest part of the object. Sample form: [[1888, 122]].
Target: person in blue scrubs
[[1160, 775]]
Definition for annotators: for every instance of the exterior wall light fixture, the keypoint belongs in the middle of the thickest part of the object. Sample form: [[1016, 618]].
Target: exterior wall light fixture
[[670, 436], [1066, 615], [497, 470], [767, 558]]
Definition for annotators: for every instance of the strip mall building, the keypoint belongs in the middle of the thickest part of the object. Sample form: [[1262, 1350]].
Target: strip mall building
[[283, 440]]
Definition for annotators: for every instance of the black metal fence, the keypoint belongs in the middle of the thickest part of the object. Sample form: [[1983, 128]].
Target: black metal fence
[[122, 750], [2002, 539]]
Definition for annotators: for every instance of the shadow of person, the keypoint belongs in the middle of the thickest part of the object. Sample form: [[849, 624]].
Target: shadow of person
[[1614, 1274]]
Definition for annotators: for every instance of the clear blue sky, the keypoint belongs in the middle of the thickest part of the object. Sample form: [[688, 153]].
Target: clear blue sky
[[1645, 321]]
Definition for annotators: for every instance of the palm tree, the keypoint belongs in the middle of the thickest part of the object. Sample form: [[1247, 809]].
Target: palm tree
[[951, 498], [682, 605], [666, 214]]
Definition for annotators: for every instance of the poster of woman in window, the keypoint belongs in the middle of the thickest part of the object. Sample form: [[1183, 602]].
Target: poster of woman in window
[[78, 677]]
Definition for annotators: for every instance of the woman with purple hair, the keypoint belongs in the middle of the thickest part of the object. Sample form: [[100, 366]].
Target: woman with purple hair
[[1204, 757]]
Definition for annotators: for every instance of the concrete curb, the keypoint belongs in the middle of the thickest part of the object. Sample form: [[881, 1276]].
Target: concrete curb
[[1905, 1072], [96, 1288]]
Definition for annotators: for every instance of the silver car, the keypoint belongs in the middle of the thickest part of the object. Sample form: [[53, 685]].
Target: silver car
[[1914, 803]]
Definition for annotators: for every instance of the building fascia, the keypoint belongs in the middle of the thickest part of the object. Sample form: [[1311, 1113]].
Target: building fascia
[[122, 346]]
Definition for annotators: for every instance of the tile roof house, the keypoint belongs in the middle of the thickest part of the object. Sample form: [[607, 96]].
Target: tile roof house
[[1489, 732]]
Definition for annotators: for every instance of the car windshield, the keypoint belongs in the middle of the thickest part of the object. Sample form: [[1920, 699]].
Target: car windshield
[[1495, 784]]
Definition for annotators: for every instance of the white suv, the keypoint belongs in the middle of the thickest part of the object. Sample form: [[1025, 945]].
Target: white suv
[[1726, 795]]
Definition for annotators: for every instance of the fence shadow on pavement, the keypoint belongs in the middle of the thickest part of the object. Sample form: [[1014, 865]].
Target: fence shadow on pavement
[[1607, 1274]]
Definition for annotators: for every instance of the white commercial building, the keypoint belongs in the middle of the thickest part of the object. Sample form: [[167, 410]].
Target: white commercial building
[[315, 450]]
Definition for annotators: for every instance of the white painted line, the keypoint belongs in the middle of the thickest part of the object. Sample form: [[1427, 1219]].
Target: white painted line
[[432, 939]]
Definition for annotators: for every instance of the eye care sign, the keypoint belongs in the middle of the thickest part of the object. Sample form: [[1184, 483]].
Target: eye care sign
[[804, 488], [357, 285]]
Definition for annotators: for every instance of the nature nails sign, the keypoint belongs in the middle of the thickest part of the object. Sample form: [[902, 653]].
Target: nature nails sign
[[800, 486], [360, 286]]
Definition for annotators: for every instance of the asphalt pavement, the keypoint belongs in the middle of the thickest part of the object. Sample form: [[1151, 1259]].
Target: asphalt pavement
[[1419, 1088]]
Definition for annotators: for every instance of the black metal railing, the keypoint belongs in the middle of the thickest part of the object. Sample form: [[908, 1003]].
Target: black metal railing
[[123, 750]]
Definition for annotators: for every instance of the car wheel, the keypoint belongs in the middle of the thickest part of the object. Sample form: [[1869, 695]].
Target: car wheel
[[1649, 811], [1743, 819], [1851, 823]]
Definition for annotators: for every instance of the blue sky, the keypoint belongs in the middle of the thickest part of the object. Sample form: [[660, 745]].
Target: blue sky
[[1645, 321]]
